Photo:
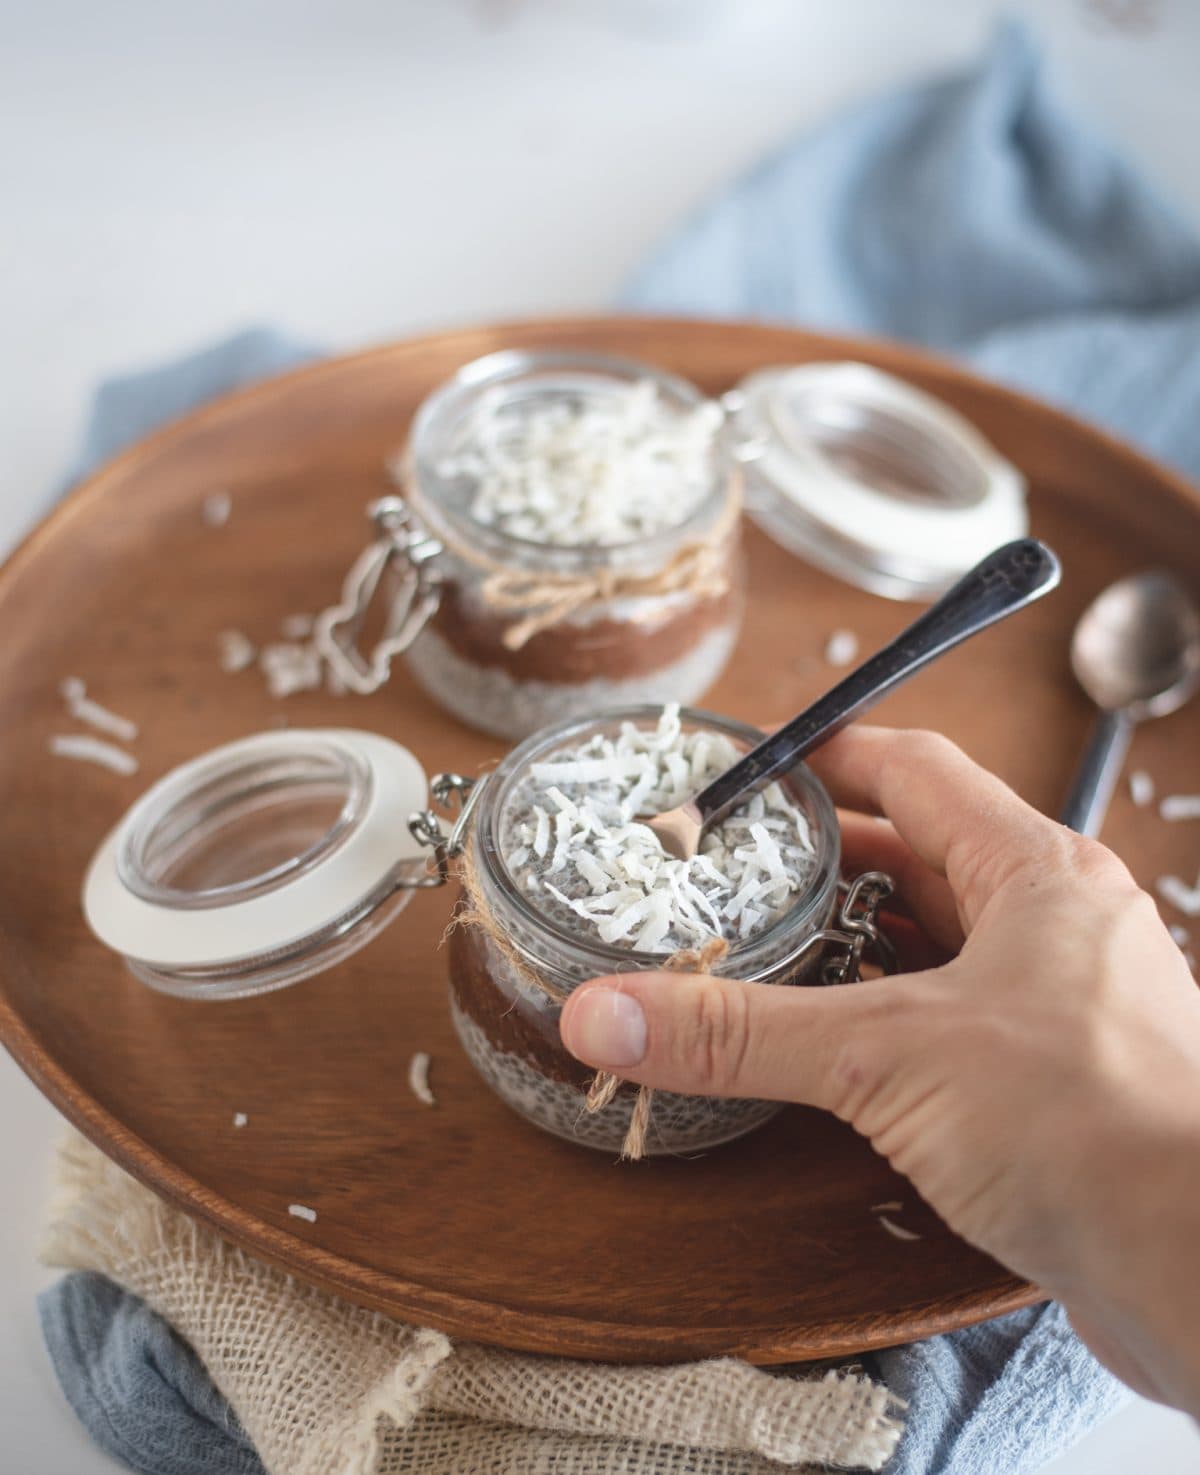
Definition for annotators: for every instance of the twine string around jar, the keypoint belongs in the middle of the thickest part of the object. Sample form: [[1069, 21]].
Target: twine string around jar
[[472, 912], [699, 568]]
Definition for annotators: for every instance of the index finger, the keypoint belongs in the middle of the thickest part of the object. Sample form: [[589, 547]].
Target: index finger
[[963, 821]]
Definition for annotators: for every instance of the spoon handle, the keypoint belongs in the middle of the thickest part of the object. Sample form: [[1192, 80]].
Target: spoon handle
[[1097, 774], [1002, 583]]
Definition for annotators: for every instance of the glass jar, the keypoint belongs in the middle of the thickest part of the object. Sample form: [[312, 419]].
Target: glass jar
[[270, 859], [510, 634]]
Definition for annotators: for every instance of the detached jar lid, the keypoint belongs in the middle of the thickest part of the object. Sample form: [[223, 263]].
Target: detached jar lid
[[873, 480], [261, 862]]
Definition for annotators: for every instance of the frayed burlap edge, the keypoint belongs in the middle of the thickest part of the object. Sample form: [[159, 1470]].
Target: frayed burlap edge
[[326, 1388]]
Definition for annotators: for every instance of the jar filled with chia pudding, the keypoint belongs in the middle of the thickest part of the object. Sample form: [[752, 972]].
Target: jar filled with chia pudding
[[566, 539], [271, 859], [562, 884]]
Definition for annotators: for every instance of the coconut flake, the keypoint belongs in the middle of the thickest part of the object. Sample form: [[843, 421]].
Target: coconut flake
[[290, 668], [893, 1206], [1180, 806], [418, 1078], [240, 1119], [1179, 935], [93, 750], [235, 651], [1183, 897], [302, 1211], [596, 469], [897, 1231], [83, 709], [1141, 788], [841, 648], [215, 509], [296, 627]]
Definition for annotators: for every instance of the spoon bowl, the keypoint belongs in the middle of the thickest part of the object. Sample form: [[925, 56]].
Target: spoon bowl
[[1137, 646], [1136, 652]]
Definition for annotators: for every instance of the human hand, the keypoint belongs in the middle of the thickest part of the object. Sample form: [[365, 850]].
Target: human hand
[[1041, 1089]]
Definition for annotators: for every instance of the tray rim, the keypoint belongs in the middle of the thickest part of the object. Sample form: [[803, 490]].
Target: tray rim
[[764, 1343]]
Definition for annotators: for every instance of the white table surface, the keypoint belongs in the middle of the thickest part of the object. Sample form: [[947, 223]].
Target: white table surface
[[361, 169]]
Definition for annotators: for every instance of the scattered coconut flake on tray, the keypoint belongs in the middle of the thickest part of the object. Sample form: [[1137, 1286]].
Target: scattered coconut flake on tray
[[1179, 934], [841, 648], [591, 470], [1183, 897], [296, 627], [235, 651], [897, 1231], [302, 1211], [84, 709], [289, 668], [93, 750], [1180, 806], [418, 1078], [240, 1119], [215, 509], [573, 838], [1141, 788]]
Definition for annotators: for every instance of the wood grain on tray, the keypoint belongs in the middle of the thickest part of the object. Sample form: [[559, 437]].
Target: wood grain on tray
[[462, 1216]]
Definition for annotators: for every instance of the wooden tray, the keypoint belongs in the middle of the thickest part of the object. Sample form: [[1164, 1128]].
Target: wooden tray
[[465, 1218]]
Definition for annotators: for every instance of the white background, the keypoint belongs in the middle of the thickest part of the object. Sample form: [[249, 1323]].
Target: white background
[[356, 170]]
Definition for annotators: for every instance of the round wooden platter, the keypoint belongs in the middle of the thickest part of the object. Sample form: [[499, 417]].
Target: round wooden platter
[[463, 1217]]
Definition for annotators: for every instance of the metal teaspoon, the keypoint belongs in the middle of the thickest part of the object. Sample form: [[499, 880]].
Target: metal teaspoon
[[1002, 583]]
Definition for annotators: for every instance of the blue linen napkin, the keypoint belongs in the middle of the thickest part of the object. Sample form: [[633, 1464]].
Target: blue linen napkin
[[972, 214]]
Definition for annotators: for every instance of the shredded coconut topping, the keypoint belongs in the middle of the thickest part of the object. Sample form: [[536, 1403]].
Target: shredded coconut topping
[[240, 1119], [579, 471], [302, 1211], [574, 838], [290, 668]]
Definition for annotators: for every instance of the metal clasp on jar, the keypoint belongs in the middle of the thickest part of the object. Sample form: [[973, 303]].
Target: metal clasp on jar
[[857, 930], [426, 827], [402, 561]]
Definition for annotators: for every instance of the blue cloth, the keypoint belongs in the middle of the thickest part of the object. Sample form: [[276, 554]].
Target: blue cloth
[[973, 215]]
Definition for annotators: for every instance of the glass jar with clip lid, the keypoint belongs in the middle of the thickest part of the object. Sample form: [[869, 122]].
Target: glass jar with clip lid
[[269, 860]]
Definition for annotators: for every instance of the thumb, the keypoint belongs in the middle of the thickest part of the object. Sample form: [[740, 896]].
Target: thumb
[[708, 1036]]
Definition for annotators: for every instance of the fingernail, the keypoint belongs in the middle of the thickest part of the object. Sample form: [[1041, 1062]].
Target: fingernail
[[606, 1028]]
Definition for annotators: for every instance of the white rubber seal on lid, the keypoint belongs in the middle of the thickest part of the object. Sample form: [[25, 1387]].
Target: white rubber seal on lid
[[877, 480], [272, 913]]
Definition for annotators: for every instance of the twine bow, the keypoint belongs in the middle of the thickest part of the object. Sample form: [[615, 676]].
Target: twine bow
[[604, 1085], [548, 598]]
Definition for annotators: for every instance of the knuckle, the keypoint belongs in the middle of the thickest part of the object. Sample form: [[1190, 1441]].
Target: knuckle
[[921, 747], [717, 1041]]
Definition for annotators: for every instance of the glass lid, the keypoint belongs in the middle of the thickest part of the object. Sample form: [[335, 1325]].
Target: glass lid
[[260, 863], [883, 485]]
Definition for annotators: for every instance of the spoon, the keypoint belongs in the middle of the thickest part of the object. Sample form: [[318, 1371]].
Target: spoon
[[1136, 652], [1002, 583]]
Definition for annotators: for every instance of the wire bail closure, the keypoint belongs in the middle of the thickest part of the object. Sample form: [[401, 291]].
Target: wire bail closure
[[857, 930], [427, 828], [403, 559]]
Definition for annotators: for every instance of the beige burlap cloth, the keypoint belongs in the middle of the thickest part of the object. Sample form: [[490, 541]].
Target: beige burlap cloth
[[326, 1388]]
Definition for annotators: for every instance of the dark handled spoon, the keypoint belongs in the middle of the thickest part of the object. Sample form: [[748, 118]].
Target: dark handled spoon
[[1002, 583]]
